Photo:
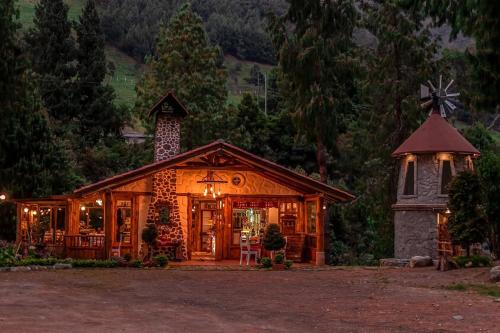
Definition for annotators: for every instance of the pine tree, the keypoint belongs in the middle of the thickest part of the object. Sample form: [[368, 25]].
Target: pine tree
[[317, 68], [52, 53], [31, 161], [186, 64], [251, 127], [97, 116]]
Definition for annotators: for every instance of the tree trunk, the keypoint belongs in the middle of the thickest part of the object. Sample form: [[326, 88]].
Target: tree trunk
[[321, 159]]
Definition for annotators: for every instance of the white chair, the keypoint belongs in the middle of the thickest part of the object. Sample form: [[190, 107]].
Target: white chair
[[246, 248]]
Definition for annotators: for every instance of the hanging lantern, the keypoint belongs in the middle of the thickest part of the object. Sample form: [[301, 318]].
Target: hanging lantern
[[211, 181]]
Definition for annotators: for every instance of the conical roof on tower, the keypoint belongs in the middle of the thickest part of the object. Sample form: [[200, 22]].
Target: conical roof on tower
[[433, 136]]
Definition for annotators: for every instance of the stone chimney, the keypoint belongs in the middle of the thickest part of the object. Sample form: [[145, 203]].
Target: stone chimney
[[168, 112], [164, 208]]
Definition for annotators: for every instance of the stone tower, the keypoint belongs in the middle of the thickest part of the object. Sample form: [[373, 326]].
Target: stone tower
[[163, 209], [429, 159]]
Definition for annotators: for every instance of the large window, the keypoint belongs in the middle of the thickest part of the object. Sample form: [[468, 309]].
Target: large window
[[91, 219], [311, 211], [446, 176], [409, 183]]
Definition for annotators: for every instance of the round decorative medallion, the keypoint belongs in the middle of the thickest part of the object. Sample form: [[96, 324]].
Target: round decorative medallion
[[238, 180]]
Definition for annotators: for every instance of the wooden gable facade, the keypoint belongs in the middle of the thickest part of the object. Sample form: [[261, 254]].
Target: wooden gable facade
[[106, 218]]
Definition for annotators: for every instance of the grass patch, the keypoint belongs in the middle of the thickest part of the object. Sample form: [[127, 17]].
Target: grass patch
[[486, 290], [125, 75]]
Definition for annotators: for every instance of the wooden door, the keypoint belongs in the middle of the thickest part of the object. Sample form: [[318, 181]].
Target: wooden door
[[219, 227]]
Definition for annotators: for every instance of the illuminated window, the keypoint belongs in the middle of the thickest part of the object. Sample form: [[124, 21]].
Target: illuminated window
[[446, 176], [410, 175]]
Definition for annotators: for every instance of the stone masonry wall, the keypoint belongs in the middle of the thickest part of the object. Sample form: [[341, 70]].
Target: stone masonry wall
[[415, 234], [164, 195], [415, 231], [164, 190], [167, 137]]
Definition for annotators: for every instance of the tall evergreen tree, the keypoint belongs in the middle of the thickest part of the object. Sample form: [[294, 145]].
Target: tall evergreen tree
[[186, 64], [315, 47], [31, 161], [251, 130], [97, 116], [52, 52]]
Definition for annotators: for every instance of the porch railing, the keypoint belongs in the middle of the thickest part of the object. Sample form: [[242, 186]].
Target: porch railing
[[85, 246]]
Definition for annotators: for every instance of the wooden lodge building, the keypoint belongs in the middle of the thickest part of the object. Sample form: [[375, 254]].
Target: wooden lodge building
[[202, 202]]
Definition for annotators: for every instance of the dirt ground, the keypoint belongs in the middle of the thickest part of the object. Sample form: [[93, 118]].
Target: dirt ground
[[339, 300]]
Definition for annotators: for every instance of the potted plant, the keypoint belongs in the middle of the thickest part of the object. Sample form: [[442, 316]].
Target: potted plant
[[273, 239], [279, 262], [149, 235]]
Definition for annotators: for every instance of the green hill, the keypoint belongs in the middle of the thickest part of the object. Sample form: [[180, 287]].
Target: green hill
[[125, 70]]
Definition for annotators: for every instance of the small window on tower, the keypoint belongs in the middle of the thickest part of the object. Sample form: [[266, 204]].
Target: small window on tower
[[409, 188], [446, 175]]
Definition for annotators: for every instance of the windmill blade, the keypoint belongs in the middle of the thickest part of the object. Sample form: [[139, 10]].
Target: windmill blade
[[426, 104], [442, 111], [431, 85], [449, 84], [453, 95], [450, 105], [424, 92]]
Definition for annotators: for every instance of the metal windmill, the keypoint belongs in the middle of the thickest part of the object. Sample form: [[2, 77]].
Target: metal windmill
[[438, 99]]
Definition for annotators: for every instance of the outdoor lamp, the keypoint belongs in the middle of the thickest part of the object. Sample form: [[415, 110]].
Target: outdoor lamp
[[3, 197]]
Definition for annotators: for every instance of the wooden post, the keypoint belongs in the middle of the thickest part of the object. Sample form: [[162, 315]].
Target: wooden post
[[108, 223], [320, 235], [19, 210], [188, 237]]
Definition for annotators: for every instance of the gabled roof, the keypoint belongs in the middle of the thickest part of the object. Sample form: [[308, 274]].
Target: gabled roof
[[266, 168], [433, 136], [177, 108]]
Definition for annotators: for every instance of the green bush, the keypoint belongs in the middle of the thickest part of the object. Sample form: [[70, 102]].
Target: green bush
[[279, 258], [7, 256], [160, 260], [94, 263], [37, 262], [473, 261], [273, 239], [288, 264], [136, 263], [266, 262]]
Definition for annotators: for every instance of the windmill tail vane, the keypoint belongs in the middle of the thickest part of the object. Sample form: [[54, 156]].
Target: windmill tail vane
[[439, 98]]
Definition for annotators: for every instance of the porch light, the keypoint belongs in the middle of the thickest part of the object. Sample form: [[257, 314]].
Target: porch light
[[447, 211], [82, 208], [34, 212], [26, 210], [99, 202], [3, 197], [211, 180]]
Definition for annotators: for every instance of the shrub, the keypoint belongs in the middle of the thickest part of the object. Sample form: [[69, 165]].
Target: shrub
[[37, 261], [160, 260], [149, 235], [266, 262], [279, 258], [7, 255], [136, 263], [94, 263], [472, 261], [288, 264], [273, 239]]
